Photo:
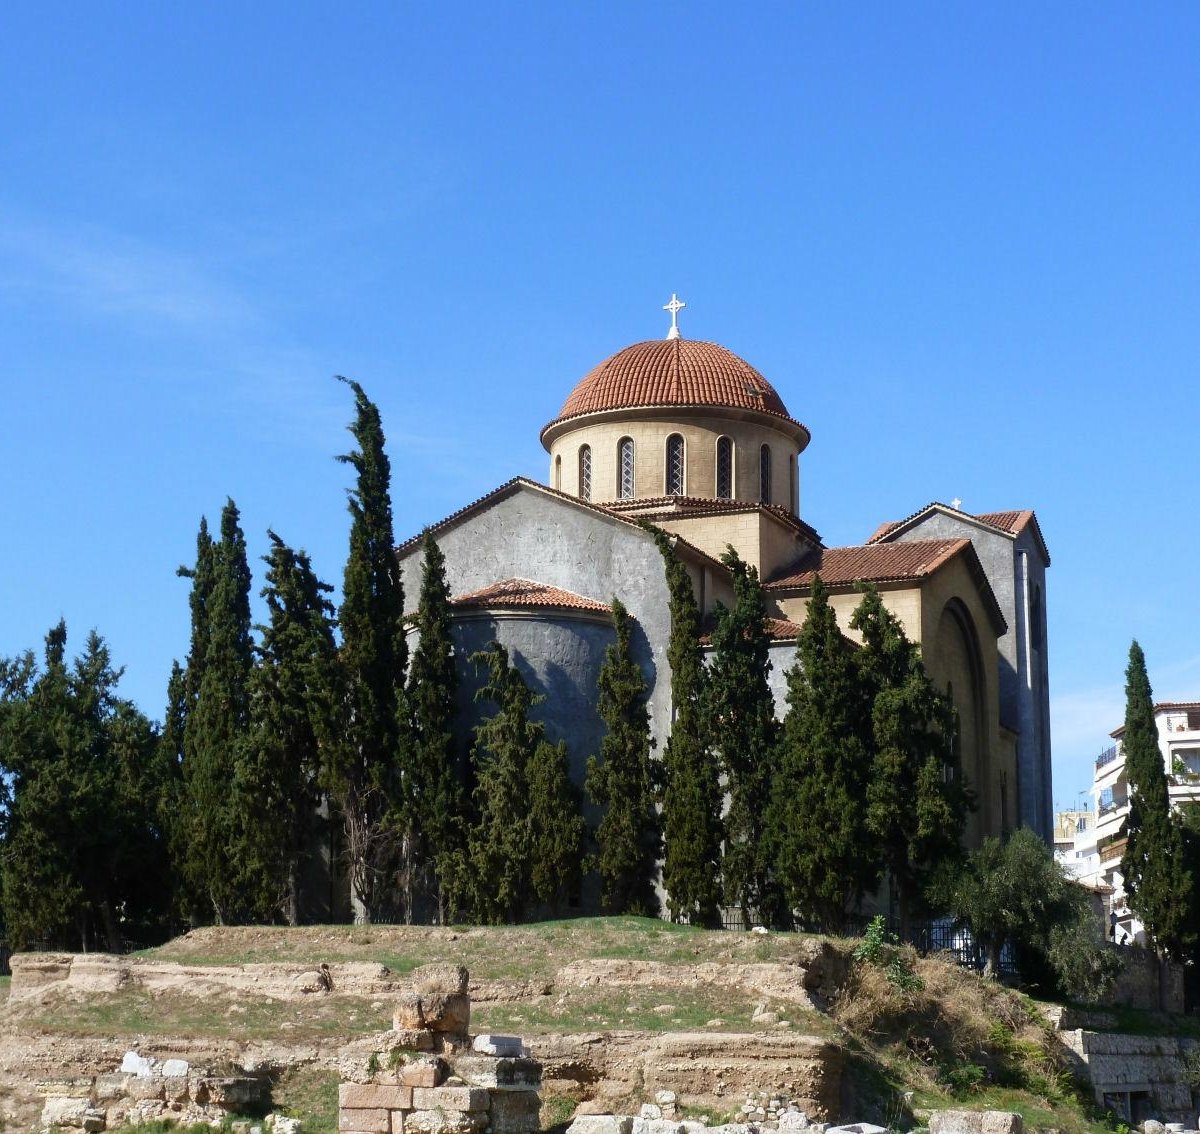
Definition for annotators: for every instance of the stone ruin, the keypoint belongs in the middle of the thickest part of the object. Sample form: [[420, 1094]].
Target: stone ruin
[[438, 1079]]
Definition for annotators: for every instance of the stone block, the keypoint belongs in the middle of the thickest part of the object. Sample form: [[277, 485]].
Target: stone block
[[601, 1124], [499, 1074], [466, 1099], [134, 1064], [445, 1122], [72, 1087], [232, 1092], [516, 1112], [657, 1126], [62, 1110], [374, 1120], [408, 1014], [172, 1068], [142, 1087], [427, 1072], [974, 1122], [857, 1128], [650, 1110], [398, 1122], [498, 1045], [368, 1096], [94, 1121], [447, 1012], [110, 1086], [414, 1039], [440, 978]]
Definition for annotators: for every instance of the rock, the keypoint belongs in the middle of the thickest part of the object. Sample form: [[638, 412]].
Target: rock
[[233, 1092], [174, 1067], [516, 1112], [498, 1045], [857, 1128], [413, 1039], [93, 1121], [375, 1120], [373, 1096], [427, 1071], [601, 1124], [792, 1120], [134, 1064], [447, 1012], [691, 1126], [665, 1098], [312, 981], [445, 1122], [282, 1124], [408, 1015], [143, 1087], [650, 1110], [109, 1087], [441, 978], [656, 1126], [64, 1111], [974, 1122], [503, 1074]]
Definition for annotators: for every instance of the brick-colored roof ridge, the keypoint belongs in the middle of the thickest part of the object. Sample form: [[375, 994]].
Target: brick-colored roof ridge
[[1012, 522], [663, 506], [525, 482], [779, 629], [874, 563], [528, 593], [681, 373]]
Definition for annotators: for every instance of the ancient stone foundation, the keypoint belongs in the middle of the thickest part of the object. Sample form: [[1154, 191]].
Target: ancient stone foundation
[[436, 1078]]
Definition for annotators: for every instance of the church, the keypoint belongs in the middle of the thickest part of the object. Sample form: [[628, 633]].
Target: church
[[692, 438]]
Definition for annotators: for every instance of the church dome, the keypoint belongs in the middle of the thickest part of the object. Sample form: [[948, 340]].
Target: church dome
[[674, 372]]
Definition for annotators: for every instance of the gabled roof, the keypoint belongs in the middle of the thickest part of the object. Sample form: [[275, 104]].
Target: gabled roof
[[907, 562], [779, 630], [519, 483], [526, 593], [1011, 523], [668, 507]]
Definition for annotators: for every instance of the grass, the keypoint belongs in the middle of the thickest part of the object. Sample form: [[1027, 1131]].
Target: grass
[[522, 952], [5, 984], [311, 1096]]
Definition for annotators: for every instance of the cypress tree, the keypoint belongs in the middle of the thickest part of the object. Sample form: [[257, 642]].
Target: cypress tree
[[1154, 865], [217, 731], [557, 831], [622, 782], [436, 789], [294, 708], [499, 844], [691, 810], [916, 805], [825, 857], [742, 723], [364, 777]]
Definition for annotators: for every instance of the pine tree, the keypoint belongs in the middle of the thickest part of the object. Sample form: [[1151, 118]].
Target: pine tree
[[499, 844], [364, 779], [741, 719], [436, 787], [916, 805], [622, 782], [1154, 865], [557, 831], [825, 857], [83, 858], [294, 713], [217, 731], [691, 810]]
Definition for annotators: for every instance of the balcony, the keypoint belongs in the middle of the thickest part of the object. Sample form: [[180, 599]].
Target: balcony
[[1108, 756], [1112, 852]]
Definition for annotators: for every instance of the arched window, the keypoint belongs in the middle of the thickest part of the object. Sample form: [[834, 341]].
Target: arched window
[[1036, 627], [674, 465], [724, 468], [625, 468], [764, 474], [558, 472], [794, 496], [585, 471]]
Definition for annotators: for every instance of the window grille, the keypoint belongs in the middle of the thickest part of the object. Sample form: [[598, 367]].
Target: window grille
[[625, 468], [674, 465], [585, 472], [764, 474], [724, 468]]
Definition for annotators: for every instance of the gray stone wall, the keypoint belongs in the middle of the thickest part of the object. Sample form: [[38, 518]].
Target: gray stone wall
[[533, 535]]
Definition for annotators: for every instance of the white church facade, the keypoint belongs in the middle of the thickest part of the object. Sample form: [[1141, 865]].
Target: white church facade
[[692, 438]]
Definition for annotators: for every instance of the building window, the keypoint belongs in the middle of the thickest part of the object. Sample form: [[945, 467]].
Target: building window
[[674, 465], [558, 472], [724, 468], [585, 471], [625, 468], [764, 474], [1036, 621]]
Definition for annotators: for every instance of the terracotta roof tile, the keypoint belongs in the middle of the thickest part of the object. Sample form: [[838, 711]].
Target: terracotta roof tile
[[780, 630], [875, 563], [673, 372], [526, 593], [1012, 522]]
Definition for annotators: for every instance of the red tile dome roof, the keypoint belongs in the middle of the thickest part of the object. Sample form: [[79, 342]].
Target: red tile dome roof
[[673, 372]]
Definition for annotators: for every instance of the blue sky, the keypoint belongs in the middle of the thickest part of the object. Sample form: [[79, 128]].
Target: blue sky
[[963, 244]]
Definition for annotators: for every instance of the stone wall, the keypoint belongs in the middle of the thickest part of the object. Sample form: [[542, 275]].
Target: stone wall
[[1135, 1076]]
